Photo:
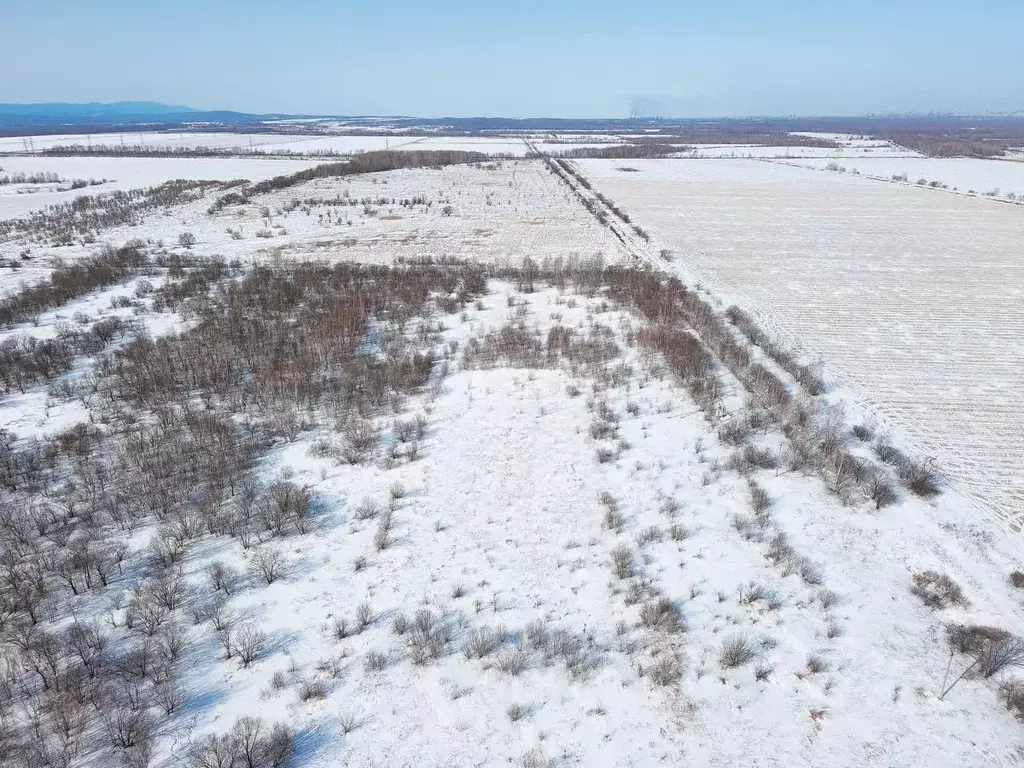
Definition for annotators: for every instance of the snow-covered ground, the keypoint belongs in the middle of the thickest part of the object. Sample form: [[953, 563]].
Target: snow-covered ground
[[510, 514], [1003, 179], [508, 212], [125, 173], [911, 298], [854, 150], [502, 523]]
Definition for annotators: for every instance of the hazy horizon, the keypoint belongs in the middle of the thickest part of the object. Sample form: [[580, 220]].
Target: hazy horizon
[[573, 59]]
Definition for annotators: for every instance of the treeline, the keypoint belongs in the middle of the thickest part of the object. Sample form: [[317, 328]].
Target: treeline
[[69, 281], [950, 146], [88, 214], [368, 162], [625, 151]]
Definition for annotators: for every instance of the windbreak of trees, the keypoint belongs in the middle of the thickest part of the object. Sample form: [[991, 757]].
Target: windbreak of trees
[[88, 214], [367, 162], [71, 281]]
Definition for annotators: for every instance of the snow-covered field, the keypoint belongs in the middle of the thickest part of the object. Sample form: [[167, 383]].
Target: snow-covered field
[[996, 178], [125, 173], [911, 298], [552, 564], [512, 211], [854, 150]]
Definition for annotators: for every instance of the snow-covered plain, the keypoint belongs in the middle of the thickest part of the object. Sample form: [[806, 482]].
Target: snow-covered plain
[[911, 298], [878, 149], [504, 213], [986, 177], [126, 173], [501, 521]]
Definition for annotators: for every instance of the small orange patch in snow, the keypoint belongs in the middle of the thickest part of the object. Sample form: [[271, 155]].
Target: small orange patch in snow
[[390, 218]]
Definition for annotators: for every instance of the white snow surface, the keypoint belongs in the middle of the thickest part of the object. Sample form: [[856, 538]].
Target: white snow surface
[[501, 525], [127, 173], [910, 297], [965, 175], [504, 501]]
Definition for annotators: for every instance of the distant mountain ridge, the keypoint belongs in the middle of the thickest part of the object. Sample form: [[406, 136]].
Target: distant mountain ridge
[[93, 109]]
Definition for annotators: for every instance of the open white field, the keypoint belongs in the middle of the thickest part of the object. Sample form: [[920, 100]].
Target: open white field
[[124, 173], [988, 177], [504, 212], [911, 298], [858, 150]]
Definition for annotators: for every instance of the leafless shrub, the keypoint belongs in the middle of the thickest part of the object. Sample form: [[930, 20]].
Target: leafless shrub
[[997, 655], [400, 624], [517, 712], [920, 478], [622, 562], [268, 564], [312, 690], [484, 641], [678, 532], [734, 432], [881, 490], [650, 534], [762, 671], [816, 664], [736, 651], [360, 440], [827, 598], [249, 744], [367, 510], [375, 661], [759, 499], [430, 636], [513, 661], [664, 615], [665, 671], [249, 644], [222, 577], [613, 518], [382, 537], [537, 634], [1012, 691], [397, 491], [756, 456], [937, 590], [364, 616]]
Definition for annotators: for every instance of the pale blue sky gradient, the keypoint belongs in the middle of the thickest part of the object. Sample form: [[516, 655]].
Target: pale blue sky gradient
[[527, 58]]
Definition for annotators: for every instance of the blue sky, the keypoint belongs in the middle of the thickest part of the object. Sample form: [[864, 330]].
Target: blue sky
[[563, 58]]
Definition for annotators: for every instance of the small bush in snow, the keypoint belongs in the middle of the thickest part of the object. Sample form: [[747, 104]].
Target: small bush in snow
[[816, 664], [665, 671], [937, 590], [512, 661], [736, 651], [484, 641], [662, 614], [1012, 691]]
